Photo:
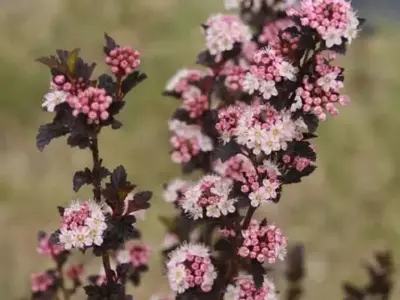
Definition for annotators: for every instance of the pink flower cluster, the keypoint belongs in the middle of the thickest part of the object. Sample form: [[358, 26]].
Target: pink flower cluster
[[136, 254], [223, 32], [83, 225], [228, 121], [259, 195], [187, 141], [190, 266], [47, 248], [271, 30], [267, 190], [174, 191], [92, 102], [334, 20], [74, 272], [60, 83], [265, 243], [194, 102], [260, 127], [244, 288], [123, 60], [209, 197], [234, 76], [180, 82], [41, 282], [234, 168], [268, 69], [320, 95]]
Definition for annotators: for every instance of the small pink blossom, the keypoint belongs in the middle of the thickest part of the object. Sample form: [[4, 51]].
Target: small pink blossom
[[40, 282], [244, 288], [47, 248], [136, 254], [74, 272]]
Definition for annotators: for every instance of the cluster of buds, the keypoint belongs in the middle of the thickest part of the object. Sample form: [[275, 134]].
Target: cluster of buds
[[92, 102], [267, 71], [223, 32], [245, 288], [187, 141], [61, 83], [234, 168], [194, 102], [334, 20], [264, 243], [123, 60], [190, 267]]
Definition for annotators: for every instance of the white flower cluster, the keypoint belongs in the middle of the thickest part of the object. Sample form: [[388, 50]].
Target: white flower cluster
[[223, 31], [333, 36], [244, 288], [209, 197], [266, 84], [190, 266], [83, 225], [263, 194], [53, 98], [172, 189], [187, 131], [329, 82], [268, 137]]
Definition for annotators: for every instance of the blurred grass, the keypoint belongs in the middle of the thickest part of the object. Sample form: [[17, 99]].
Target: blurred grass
[[348, 208]]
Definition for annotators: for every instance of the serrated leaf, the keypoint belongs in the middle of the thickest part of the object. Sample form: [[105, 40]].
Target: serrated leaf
[[78, 140], [48, 132], [205, 59], [226, 151], [50, 61], [107, 82], [116, 124], [118, 176], [110, 44], [81, 178], [131, 81], [71, 60]]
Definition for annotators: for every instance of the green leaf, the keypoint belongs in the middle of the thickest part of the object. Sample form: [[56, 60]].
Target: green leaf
[[71, 60]]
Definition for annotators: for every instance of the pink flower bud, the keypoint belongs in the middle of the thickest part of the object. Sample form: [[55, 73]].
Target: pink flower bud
[[104, 115]]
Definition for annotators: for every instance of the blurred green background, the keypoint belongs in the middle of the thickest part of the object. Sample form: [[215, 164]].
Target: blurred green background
[[345, 210]]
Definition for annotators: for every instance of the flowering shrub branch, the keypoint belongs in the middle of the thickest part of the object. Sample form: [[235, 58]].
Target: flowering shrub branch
[[246, 121], [104, 224]]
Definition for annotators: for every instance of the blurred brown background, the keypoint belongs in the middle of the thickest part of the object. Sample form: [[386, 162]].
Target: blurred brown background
[[348, 208]]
